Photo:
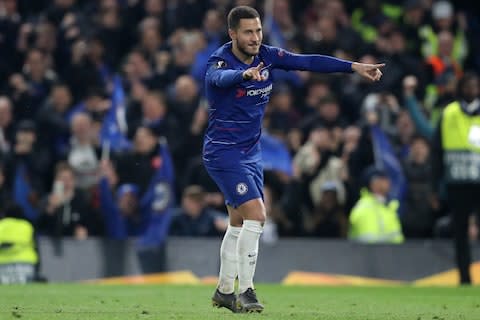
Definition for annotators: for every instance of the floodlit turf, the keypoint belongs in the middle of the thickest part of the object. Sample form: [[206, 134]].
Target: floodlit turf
[[85, 302]]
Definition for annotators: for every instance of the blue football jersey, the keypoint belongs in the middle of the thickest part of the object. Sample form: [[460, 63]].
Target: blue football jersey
[[236, 107]]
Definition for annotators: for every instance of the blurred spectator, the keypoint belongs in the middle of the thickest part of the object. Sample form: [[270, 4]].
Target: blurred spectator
[[155, 114], [213, 30], [10, 25], [328, 218], [374, 218], [405, 131], [139, 165], [316, 163], [278, 24], [374, 19], [150, 41], [327, 114], [443, 19], [413, 19], [386, 108], [26, 166], [81, 73], [400, 61], [112, 33], [32, 86], [316, 90], [120, 206], [142, 210], [422, 124], [351, 137], [138, 69], [194, 218], [281, 115], [84, 152], [185, 98], [52, 120], [352, 90], [188, 151], [66, 212], [61, 9], [443, 68], [418, 217]]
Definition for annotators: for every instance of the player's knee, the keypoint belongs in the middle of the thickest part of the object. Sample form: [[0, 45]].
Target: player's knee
[[260, 217]]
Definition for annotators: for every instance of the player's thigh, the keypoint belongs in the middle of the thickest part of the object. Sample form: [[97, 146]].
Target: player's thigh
[[253, 209]]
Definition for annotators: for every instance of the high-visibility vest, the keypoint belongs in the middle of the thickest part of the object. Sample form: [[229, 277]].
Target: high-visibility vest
[[17, 242], [430, 44], [369, 32], [461, 145], [374, 222]]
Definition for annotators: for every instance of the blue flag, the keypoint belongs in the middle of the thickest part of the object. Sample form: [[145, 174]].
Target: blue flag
[[386, 159], [275, 155], [158, 199], [111, 131], [22, 191]]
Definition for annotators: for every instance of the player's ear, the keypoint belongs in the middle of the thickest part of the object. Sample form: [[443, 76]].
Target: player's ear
[[233, 34]]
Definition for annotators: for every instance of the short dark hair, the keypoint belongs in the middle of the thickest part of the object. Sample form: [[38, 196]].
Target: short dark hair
[[63, 166], [241, 12], [468, 76]]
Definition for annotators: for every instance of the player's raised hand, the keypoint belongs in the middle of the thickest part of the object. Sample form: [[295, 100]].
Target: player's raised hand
[[369, 71], [254, 73]]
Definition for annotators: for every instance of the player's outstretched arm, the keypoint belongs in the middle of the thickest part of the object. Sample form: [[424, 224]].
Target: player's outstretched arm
[[286, 60], [369, 71]]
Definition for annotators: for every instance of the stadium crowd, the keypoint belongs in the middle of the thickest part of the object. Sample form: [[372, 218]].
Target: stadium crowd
[[102, 116]]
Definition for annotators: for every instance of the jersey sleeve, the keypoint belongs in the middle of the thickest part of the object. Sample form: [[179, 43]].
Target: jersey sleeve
[[286, 60], [218, 74]]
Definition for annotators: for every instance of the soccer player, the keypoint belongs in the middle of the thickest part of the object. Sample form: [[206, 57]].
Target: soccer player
[[238, 85]]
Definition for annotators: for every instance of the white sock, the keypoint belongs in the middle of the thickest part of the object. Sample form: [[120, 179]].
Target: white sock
[[247, 251], [228, 260]]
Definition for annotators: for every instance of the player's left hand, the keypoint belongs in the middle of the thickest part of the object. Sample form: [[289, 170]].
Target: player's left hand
[[369, 71]]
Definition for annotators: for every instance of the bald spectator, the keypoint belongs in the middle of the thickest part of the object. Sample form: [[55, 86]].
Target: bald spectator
[[84, 153], [185, 98]]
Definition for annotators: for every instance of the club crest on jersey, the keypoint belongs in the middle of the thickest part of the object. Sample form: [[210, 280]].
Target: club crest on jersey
[[242, 188], [265, 74], [220, 64]]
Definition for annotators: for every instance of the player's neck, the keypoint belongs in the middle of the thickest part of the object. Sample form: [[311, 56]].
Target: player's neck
[[247, 59]]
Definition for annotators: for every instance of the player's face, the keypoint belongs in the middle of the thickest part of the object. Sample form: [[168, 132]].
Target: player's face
[[248, 36]]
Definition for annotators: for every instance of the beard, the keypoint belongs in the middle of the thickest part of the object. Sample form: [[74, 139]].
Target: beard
[[247, 50]]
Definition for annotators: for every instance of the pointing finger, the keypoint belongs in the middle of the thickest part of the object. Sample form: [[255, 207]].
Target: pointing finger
[[260, 66], [379, 65]]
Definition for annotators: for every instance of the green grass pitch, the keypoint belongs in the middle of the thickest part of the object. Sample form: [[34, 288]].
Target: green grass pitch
[[172, 302]]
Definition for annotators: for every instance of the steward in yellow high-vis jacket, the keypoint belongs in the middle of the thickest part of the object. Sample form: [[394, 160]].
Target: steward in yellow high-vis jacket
[[456, 154], [18, 255], [373, 219]]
